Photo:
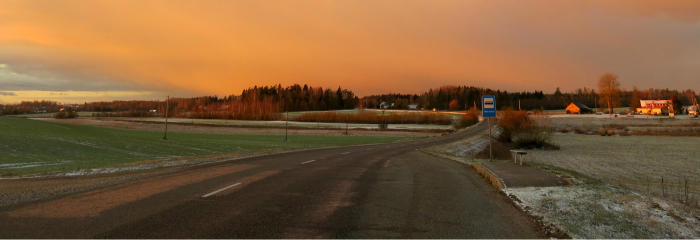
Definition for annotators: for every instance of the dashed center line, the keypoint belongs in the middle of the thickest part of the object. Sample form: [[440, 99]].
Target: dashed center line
[[345, 153], [217, 191], [308, 162]]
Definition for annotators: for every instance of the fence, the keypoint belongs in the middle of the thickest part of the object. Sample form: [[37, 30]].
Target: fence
[[679, 190]]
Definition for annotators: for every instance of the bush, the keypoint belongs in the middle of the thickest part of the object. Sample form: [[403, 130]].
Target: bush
[[60, 115], [67, 114], [537, 135], [468, 119], [511, 123], [538, 111]]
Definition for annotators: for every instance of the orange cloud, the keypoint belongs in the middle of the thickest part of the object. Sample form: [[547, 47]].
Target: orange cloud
[[221, 47]]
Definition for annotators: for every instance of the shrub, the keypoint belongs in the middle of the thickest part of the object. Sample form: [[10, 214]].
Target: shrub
[[67, 114], [538, 111], [60, 115], [537, 135], [511, 123], [468, 119]]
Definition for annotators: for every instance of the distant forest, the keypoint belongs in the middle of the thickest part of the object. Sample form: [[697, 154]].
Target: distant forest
[[256, 103], [465, 97], [266, 102]]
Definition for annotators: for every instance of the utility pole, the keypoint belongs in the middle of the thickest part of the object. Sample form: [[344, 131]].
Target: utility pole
[[519, 109], [596, 104], [490, 145], [286, 123], [346, 124], [165, 136]]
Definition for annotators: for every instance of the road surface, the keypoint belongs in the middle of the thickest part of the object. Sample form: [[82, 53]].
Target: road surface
[[372, 191]]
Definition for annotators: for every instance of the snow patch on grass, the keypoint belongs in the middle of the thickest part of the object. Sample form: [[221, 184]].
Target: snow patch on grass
[[28, 165], [465, 150], [605, 211]]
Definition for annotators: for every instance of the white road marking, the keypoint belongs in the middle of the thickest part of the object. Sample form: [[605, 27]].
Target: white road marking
[[217, 191], [345, 153], [308, 162]]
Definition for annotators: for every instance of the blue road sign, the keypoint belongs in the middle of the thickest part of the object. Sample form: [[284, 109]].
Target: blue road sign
[[488, 106]]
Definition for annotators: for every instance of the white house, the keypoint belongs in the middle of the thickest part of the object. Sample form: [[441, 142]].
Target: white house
[[654, 107]]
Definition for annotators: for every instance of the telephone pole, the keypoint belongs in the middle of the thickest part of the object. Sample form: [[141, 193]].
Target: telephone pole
[[286, 123], [165, 136], [490, 141]]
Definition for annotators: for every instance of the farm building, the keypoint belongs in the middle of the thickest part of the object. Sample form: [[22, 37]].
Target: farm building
[[654, 107], [578, 108], [691, 110], [413, 106]]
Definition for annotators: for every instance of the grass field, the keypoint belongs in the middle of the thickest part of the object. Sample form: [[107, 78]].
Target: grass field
[[30, 146], [50, 115], [598, 208], [638, 162], [375, 111], [292, 124]]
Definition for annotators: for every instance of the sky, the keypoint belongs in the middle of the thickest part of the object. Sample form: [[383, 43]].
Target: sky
[[75, 51]]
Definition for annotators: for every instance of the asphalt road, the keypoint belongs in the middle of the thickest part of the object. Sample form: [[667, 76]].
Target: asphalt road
[[373, 191]]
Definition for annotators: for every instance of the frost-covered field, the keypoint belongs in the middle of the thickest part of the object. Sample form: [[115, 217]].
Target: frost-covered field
[[605, 211], [638, 162], [585, 120], [628, 199]]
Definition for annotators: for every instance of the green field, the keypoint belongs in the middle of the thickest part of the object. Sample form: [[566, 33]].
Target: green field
[[32, 146], [375, 111], [50, 115], [249, 123]]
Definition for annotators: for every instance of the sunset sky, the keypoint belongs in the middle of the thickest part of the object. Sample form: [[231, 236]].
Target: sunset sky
[[74, 51]]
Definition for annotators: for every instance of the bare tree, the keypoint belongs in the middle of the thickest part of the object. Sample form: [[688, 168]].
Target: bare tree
[[609, 91]]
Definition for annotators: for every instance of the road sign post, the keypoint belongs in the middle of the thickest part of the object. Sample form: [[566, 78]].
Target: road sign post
[[488, 110]]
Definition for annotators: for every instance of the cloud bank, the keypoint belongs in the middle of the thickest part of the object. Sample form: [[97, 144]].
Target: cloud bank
[[190, 48]]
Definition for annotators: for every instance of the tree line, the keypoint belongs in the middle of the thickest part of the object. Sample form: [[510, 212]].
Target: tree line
[[256, 103], [266, 102], [466, 97]]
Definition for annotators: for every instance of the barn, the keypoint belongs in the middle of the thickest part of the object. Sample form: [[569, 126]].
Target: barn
[[578, 108]]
